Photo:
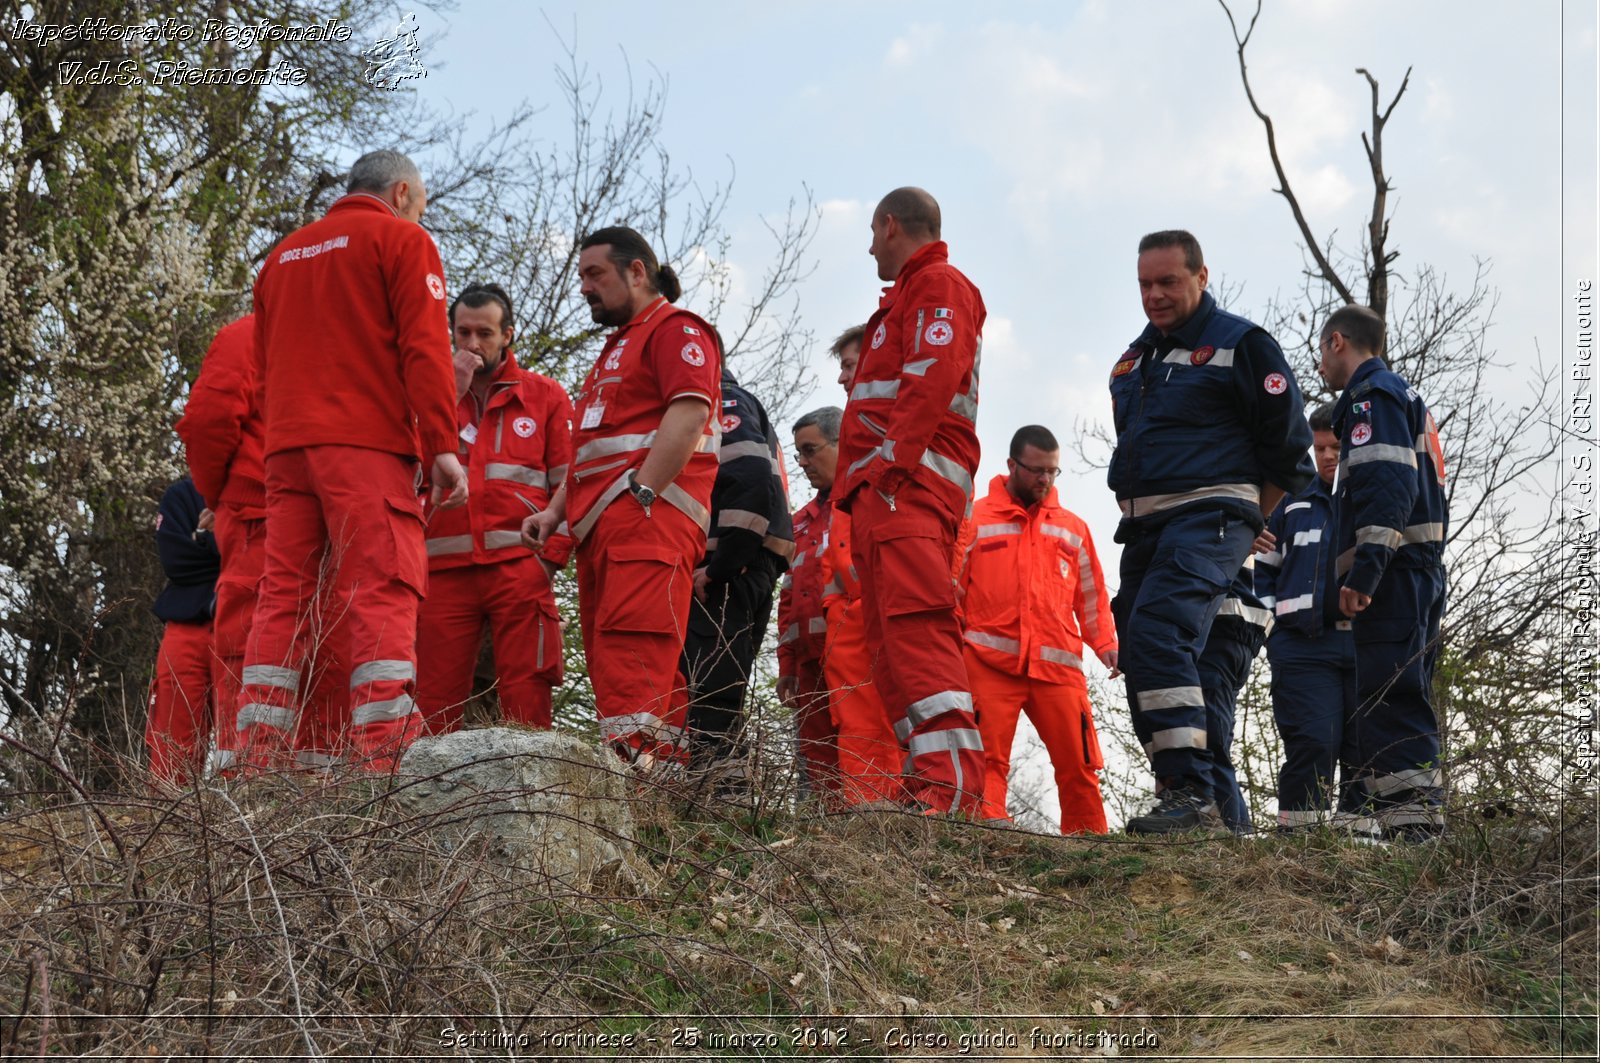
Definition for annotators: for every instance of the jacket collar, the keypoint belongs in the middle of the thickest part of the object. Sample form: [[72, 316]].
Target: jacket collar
[[923, 257], [363, 201], [998, 492]]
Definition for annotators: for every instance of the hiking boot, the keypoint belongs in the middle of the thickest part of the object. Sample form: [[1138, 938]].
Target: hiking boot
[[1179, 810]]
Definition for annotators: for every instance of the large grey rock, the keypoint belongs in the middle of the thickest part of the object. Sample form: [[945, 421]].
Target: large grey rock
[[543, 799]]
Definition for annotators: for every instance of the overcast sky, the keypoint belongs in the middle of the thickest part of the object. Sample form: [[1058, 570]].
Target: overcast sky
[[1055, 134]]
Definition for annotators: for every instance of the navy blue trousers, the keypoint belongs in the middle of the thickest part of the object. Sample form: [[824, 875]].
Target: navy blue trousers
[[1224, 667], [1313, 693], [1392, 739], [1174, 577]]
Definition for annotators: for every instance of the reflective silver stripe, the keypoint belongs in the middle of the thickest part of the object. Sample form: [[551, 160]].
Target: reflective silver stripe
[[684, 501], [1408, 779], [270, 675], [1170, 698], [274, 716], [224, 759], [1412, 813], [379, 711], [743, 518], [1295, 817], [872, 426], [609, 495], [609, 445], [924, 709], [994, 642], [1286, 606], [1061, 533], [918, 367], [1378, 534], [1381, 452], [1249, 613], [1177, 738], [902, 730], [1345, 562], [1221, 358], [888, 451], [1310, 535], [946, 467], [1146, 504], [790, 634], [1423, 533], [946, 742], [963, 406], [875, 389], [557, 473], [499, 540], [987, 531], [835, 586], [1275, 559], [817, 625], [449, 544], [1269, 601], [645, 723], [376, 671], [773, 544], [520, 474], [861, 462], [1292, 506], [750, 448], [310, 758], [1055, 656]]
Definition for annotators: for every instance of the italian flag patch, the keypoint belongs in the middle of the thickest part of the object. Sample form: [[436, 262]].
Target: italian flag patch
[[942, 312]]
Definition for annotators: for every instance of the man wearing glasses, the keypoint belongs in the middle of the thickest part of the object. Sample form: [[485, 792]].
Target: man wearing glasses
[[1211, 433], [802, 627], [1032, 596]]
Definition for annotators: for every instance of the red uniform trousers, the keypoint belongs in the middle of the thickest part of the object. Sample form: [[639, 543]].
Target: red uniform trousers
[[871, 757], [903, 556], [178, 722], [635, 583], [817, 739], [319, 739], [346, 518], [514, 597], [1060, 713]]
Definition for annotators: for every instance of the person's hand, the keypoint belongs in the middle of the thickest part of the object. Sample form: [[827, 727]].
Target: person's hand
[[700, 581], [1265, 543], [206, 521], [537, 529], [1109, 659], [449, 482], [466, 363], [788, 687], [1352, 601]]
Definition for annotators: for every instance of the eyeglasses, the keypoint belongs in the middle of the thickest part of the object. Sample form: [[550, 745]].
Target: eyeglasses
[[809, 450], [1049, 474]]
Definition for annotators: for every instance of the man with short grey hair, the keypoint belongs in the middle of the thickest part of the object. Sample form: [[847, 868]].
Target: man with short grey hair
[[354, 350], [802, 626]]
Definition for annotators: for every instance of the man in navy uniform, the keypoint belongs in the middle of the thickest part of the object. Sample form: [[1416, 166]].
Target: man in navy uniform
[[1392, 517], [1210, 434], [1312, 650]]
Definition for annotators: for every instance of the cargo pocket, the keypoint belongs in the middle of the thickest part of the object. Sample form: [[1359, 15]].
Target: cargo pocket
[[639, 593], [549, 658], [1091, 743], [913, 573], [406, 532]]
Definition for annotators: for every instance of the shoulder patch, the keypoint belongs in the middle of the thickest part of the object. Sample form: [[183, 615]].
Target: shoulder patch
[[435, 286], [730, 422], [1124, 368], [878, 336], [1275, 383], [939, 334], [693, 353], [1360, 434]]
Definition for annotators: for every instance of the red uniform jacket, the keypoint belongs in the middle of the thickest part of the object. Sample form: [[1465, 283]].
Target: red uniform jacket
[[516, 451], [802, 628], [221, 424], [1034, 593], [353, 337], [662, 354], [914, 402]]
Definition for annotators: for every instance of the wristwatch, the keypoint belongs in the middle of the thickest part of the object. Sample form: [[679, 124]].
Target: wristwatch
[[641, 494]]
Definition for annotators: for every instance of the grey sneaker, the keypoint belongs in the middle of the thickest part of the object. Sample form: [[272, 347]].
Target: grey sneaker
[[1179, 810]]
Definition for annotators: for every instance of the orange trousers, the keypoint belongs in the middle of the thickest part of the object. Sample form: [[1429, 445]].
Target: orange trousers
[[902, 551], [178, 720], [319, 738], [1061, 714], [817, 740], [635, 583], [871, 757], [515, 599], [345, 520]]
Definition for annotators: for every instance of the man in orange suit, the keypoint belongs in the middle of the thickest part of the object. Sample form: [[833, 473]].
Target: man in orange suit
[[1033, 598]]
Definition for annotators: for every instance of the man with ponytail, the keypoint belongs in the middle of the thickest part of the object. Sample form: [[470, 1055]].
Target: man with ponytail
[[638, 498]]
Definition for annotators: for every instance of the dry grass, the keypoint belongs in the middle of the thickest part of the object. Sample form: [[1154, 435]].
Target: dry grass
[[311, 917]]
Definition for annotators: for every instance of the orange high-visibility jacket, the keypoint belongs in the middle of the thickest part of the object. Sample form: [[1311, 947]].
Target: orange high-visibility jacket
[[1033, 591], [802, 628]]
